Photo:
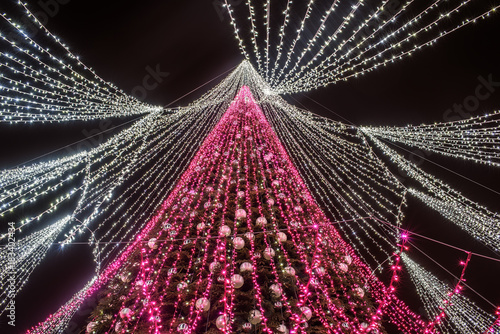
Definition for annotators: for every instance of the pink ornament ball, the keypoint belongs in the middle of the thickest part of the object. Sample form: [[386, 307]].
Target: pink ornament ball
[[255, 317], [241, 193], [238, 243], [247, 327], [240, 214], [261, 221], [269, 253], [270, 202], [90, 326], [348, 259], [249, 235], [152, 243], [125, 313], [276, 290], [225, 230], [203, 304], [118, 327], [200, 226], [182, 327], [282, 329], [320, 271], [237, 281], [359, 292], [281, 237], [289, 271], [306, 312], [246, 266], [343, 267], [276, 183], [221, 321], [214, 266]]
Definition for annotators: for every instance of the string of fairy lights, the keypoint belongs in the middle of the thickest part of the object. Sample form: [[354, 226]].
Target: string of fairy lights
[[472, 217], [38, 84], [356, 39], [114, 190], [475, 138]]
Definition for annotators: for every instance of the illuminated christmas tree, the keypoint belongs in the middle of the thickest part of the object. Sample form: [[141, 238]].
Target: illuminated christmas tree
[[242, 247]]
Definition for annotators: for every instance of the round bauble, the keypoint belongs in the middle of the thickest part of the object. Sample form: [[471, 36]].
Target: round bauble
[[348, 259], [90, 327], [281, 237], [221, 321], [240, 214], [289, 271], [181, 286], [237, 281], [276, 290], [320, 271], [214, 266], [306, 312], [276, 183], [118, 327], [282, 329], [152, 243], [241, 194], [343, 267], [255, 317], [225, 230], [359, 292], [125, 313], [249, 235], [182, 327], [200, 226], [261, 221], [203, 304], [270, 202], [124, 277], [246, 266], [247, 327], [269, 253], [238, 243]]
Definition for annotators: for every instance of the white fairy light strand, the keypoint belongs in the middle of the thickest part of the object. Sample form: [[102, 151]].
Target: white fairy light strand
[[475, 139]]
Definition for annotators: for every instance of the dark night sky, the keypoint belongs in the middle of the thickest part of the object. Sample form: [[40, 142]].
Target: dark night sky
[[193, 41]]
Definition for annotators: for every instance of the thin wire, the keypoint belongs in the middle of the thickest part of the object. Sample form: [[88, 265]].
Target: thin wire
[[436, 241], [206, 83], [442, 267]]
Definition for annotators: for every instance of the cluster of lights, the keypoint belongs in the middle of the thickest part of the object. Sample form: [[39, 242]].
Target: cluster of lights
[[29, 252], [474, 138], [472, 217], [38, 84], [356, 40], [451, 310]]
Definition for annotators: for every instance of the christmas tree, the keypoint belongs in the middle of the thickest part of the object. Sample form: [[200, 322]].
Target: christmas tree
[[241, 246]]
